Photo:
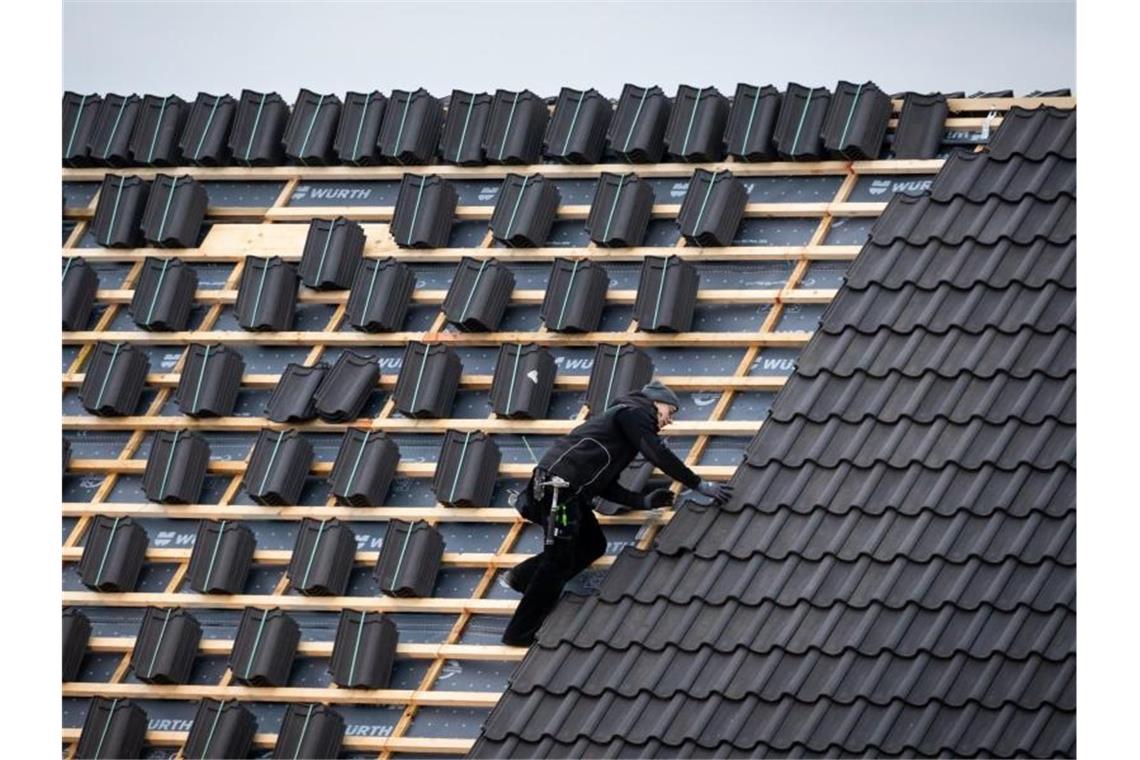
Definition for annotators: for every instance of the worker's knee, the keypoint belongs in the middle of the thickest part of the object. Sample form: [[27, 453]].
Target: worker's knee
[[594, 546]]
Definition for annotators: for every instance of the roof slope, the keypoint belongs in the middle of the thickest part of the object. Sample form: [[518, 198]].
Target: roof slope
[[897, 571]]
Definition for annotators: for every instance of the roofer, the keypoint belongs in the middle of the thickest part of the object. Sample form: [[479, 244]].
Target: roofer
[[580, 466]]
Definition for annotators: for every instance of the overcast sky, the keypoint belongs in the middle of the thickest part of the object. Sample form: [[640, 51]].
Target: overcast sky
[[332, 47]]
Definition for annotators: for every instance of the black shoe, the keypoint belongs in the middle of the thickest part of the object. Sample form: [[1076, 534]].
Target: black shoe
[[521, 641], [514, 583]]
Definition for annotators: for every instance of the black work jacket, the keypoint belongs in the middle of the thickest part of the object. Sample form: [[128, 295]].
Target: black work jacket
[[594, 454]]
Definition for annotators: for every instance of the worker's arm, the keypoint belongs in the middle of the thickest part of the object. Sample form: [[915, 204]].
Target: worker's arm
[[642, 433]]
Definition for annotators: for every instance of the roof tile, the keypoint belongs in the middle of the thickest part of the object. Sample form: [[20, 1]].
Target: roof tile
[[409, 132], [79, 115], [462, 141], [577, 130], [205, 141], [359, 126], [1035, 134], [922, 123], [258, 126], [309, 133], [895, 573], [226, 727]]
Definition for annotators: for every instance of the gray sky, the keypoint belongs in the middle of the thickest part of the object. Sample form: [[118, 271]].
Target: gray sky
[[187, 47]]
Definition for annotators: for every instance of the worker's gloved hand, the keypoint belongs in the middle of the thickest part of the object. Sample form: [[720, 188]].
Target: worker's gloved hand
[[658, 497], [718, 492]]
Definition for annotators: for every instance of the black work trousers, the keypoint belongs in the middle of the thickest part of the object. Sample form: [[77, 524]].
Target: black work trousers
[[544, 575]]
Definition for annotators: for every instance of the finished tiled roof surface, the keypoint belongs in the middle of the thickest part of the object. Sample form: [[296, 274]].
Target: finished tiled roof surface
[[896, 573]]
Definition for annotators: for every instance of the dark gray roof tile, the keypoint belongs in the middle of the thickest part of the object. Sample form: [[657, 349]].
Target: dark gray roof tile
[[922, 123], [972, 444], [110, 137], [752, 121], [983, 353], [1036, 133], [921, 536], [205, 141], [576, 133], [637, 129], [918, 219], [1006, 309], [358, 128], [906, 630], [830, 579], [80, 113], [962, 266], [258, 126], [225, 726], [894, 396], [860, 727], [409, 131], [895, 573], [807, 676], [977, 176], [881, 487]]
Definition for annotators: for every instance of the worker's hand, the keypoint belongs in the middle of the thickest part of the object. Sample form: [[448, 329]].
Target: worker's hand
[[718, 492], [658, 497]]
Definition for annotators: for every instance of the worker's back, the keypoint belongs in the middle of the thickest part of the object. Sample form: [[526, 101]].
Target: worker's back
[[594, 454]]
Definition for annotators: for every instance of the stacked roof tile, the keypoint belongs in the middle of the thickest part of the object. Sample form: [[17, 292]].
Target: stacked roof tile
[[381, 294], [895, 574], [204, 140], [109, 143], [642, 125], [462, 141], [364, 651], [164, 294], [160, 123], [409, 132], [576, 133], [409, 559], [424, 212], [119, 212], [312, 127], [80, 283], [222, 557], [575, 295], [364, 468], [360, 117], [333, 251], [221, 728], [258, 126]]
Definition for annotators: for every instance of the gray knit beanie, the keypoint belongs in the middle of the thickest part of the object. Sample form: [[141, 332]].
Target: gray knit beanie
[[658, 391]]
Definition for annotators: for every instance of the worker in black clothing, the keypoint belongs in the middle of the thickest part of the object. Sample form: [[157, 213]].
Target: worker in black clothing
[[585, 464]]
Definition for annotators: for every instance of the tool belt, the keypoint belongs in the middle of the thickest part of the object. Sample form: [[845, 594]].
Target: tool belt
[[536, 504]]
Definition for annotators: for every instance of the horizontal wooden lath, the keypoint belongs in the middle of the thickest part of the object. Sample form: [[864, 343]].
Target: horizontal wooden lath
[[773, 339], [283, 694], [231, 243], [554, 171], [483, 382], [289, 602], [481, 515], [390, 425], [301, 213], [519, 297], [429, 746], [217, 647], [367, 558], [406, 469]]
